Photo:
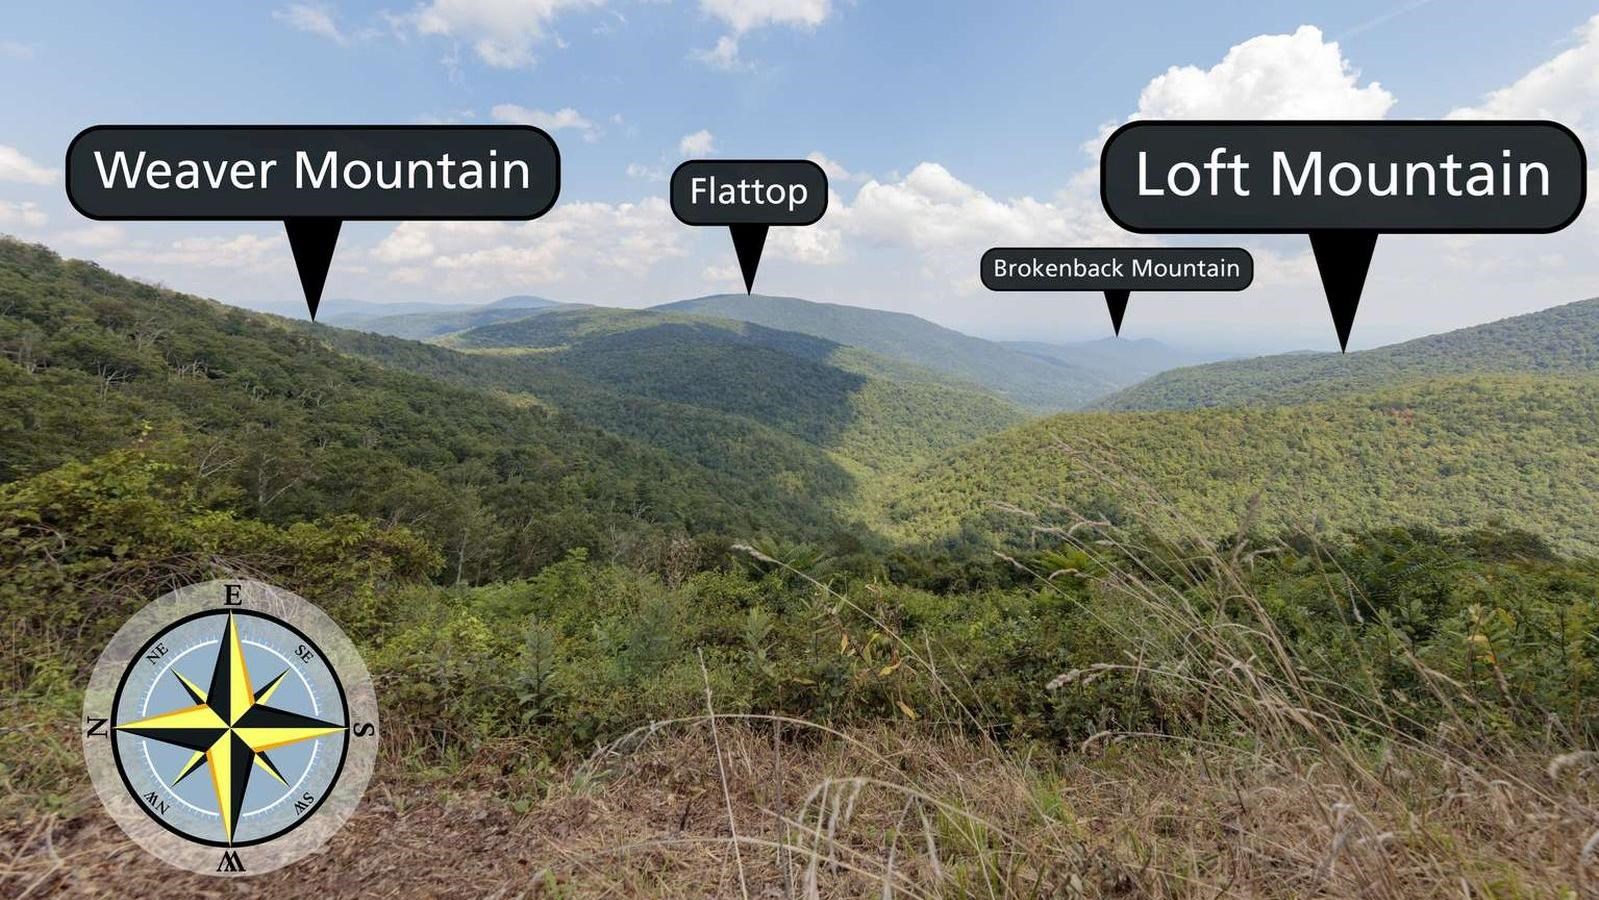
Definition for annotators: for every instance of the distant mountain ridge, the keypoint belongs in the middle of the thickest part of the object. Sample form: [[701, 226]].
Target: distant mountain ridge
[[1560, 340], [430, 324], [1042, 377], [1129, 360]]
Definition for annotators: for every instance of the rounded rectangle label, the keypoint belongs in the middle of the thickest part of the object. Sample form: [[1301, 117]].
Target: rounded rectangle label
[[749, 192], [1389, 177], [1117, 268], [264, 172]]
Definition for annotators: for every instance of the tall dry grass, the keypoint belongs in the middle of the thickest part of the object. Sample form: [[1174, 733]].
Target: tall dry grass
[[1275, 782]]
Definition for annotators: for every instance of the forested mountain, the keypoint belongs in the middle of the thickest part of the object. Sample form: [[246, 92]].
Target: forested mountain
[[282, 427], [1518, 450], [872, 411], [580, 427], [1035, 381], [1564, 339]]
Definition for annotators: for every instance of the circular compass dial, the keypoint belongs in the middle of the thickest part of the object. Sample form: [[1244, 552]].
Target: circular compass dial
[[230, 727]]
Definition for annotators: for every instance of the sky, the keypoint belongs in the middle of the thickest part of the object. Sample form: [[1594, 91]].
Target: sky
[[946, 128]]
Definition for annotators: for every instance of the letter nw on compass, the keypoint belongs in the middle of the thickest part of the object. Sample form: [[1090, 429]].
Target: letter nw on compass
[[230, 727]]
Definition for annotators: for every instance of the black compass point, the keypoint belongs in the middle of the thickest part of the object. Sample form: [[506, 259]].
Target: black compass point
[[231, 726]]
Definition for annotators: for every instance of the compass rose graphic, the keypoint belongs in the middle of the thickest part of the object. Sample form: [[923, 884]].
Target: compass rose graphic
[[230, 727]]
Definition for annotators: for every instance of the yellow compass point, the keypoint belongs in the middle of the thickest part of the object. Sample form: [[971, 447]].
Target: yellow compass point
[[262, 739], [220, 760], [231, 728], [188, 718], [240, 695], [188, 767]]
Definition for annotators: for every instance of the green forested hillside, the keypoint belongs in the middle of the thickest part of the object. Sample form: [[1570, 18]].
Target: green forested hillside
[[873, 411], [1030, 380], [1564, 339], [286, 428], [1457, 452], [610, 426]]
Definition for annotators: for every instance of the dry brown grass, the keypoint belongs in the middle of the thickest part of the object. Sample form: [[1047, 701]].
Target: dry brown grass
[[899, 812]]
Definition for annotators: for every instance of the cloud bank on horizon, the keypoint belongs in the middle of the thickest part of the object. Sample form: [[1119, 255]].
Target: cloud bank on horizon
[[903, 240]]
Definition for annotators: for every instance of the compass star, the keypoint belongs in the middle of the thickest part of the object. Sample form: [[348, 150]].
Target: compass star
[[230, 727]]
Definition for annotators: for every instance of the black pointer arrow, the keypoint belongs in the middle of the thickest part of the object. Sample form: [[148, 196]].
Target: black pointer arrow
[[1117, 301], [312, 241], [748, 242], [1343, 259]]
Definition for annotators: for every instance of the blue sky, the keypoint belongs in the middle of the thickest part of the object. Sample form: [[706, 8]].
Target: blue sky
[[948, 127]]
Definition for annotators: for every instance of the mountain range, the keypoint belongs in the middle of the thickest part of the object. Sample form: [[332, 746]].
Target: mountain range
[[558, 426], [1036, 376]]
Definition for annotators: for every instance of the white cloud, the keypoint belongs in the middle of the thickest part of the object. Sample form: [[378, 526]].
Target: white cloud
[[723, 56], [646, 173], [312, 19], [745, 15], [700, 143], [728, 273], [565, 118], [931, 209], [814, 245], [1270, 76], [946, 224], [14, 214], [501, 32], [16, 50], [14, 166], [1273, 76], [575, 243], [243, 252], [99, 235], [1566, 89], [835, 170]]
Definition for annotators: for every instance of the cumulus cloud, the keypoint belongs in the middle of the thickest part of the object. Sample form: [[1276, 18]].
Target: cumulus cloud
[[724, 55], [947, 223], [565, 118], [14, 214], [1272, 76], [1566, 89], [747, 15], [502, 33], [700, 143], [96, 236], [311, 19], [835, 170], [646, 173], [576, 242], [931, 209], [242, 252], [14, 166], [816, 245]]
